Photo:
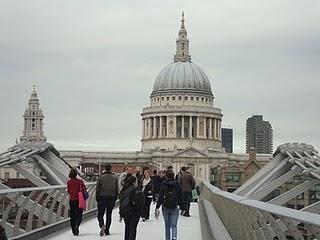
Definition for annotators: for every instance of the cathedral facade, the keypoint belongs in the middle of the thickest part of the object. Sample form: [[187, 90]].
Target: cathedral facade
[[180, 127]]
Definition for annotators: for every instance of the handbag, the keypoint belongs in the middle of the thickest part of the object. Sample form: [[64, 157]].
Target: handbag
[[84, 191], [195, 195], [82, 201]]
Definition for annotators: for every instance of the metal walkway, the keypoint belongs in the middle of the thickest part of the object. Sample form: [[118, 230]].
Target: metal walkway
[[188, 228]]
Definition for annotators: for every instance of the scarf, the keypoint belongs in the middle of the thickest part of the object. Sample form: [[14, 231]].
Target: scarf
[[145, 182]]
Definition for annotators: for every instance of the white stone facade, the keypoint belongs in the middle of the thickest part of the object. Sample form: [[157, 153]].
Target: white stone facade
[[33, 120]]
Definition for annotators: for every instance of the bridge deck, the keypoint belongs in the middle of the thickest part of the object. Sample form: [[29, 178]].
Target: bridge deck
[[188, 228]]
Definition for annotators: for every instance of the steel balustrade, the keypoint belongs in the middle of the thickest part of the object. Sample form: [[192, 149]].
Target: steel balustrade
[[247, 219], [26, 209]]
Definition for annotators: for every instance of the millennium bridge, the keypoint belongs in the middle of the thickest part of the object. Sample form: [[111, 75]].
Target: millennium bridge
[[253, 211]]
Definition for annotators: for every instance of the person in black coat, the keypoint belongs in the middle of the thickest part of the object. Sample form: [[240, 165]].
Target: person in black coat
[[147, 189], [126, 211], [156, 184]]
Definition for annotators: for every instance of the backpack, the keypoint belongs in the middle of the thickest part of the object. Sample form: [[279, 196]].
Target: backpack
[[137, 199], [170, 197]]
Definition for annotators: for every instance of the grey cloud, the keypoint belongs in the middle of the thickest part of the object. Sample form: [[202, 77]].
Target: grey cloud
[[94, 64]]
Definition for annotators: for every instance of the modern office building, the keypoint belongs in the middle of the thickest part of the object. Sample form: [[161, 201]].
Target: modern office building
[[259, 134], [227, 139]]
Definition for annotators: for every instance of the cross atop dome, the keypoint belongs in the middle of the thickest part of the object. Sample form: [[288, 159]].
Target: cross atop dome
[[182, 44]]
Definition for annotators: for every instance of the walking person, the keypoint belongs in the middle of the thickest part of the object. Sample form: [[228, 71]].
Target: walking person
[[74, 186], [147, 189], [130, 207], [122, 177], [106, 196], [156, 184], [170, 198], [187, 183]]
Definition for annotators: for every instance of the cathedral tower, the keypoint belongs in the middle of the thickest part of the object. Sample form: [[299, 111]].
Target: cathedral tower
[[33, 120]]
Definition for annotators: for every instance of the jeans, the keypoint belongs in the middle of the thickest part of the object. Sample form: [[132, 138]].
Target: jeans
[[105, 205], [186, 197], [146, 208], [170, 220], [75, 214], [131, 223]]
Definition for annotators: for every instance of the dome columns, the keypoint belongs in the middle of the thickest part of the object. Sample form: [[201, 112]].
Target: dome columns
[[181, 126]]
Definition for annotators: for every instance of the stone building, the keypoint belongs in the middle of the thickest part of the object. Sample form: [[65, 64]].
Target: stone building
[[33, 120], [180, 127]]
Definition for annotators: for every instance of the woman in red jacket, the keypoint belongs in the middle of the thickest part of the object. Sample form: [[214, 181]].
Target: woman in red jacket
[[74, 187]]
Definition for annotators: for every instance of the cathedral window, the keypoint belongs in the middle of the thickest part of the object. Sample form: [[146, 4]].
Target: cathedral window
[[186, 98], [162, 98], [197, 98], [202, 99], [168, 98], [173, 98], [180, 98], [191, 98]]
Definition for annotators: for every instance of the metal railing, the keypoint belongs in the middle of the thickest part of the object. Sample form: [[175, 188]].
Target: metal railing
[[246, 219], [26, 209]]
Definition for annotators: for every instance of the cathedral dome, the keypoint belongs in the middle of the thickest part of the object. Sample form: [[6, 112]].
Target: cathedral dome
[[182, 76]]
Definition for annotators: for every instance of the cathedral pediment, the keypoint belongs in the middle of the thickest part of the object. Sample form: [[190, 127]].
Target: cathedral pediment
[[192, 153]]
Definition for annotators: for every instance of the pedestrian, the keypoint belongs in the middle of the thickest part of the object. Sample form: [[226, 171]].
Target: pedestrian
[[121, 177], [74, 187], [187, 183], [170, 198], [156, 184], [147, 189], [162, 176], [178, 178], [130, 206], [3, 235], [139, 175], [106, 196]]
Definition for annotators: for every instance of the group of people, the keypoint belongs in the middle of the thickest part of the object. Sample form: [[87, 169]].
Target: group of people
[[136, 191]]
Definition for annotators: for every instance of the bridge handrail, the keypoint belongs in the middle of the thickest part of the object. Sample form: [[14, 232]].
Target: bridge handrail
[[30, 189], [301, 216], [243, 217], [26, 209]]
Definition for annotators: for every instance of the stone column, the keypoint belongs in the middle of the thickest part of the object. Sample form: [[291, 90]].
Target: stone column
[[143, 128], [160, 128], [219, 129], [205, 127], [154, 127], [214, 128], [182, 127], [198, 128], [167, 128], [149, 132], [190, 127], [175, 126], [210, 128]]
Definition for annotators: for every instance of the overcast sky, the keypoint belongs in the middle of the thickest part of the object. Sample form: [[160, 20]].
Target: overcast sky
[[95, 62]]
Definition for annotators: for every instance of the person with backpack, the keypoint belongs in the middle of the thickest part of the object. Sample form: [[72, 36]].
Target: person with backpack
[[156, 184], [130, 206], [74, 187], [106, 196], [147, 189], [170, 198]]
